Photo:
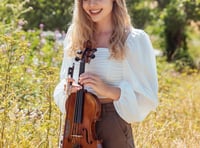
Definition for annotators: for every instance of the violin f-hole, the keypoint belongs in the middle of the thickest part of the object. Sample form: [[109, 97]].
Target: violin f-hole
[[86, 135]]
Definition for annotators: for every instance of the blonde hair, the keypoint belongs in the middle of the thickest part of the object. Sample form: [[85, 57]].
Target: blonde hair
[[82, 28]]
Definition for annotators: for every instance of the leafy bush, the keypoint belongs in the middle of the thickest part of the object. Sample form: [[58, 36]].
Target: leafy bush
[[29, 71], [176, 15], [53, 14]]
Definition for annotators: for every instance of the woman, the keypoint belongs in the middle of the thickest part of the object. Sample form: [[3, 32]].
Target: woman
[[122, 74]]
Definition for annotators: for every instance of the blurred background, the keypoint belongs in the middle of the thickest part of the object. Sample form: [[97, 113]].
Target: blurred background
[[31, 35]]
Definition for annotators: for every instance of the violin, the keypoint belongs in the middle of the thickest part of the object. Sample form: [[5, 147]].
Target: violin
[[82, 111]]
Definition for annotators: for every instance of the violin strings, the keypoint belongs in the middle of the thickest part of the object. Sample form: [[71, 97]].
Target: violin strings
[[79, 111], [65, 118], [77, 116], [75, 128]]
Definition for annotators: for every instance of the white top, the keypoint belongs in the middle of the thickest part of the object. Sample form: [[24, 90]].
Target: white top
[[136, 76]]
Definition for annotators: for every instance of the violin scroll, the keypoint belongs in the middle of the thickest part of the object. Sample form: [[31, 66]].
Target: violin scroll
[[87, 54]]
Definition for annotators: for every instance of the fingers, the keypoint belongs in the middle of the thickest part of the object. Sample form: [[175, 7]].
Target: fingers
[[88, 75], [75, 88], [71, 86], [88, 78], [70, 80]]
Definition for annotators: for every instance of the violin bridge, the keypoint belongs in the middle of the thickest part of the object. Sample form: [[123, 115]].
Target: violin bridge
[[77, 136]]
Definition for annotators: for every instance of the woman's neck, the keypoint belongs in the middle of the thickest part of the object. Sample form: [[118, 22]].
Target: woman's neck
[[103, 32], [104, 27]]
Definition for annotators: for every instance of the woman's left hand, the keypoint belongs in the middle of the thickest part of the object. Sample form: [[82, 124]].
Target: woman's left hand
[[98, 85]]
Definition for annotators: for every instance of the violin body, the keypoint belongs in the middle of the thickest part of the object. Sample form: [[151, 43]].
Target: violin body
[[80, 133], [83, 109]]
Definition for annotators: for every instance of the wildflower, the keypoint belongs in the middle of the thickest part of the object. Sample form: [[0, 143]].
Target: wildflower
[[41, 26], [22, 58]]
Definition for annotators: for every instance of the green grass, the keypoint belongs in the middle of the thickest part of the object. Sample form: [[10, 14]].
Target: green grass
[[29, 117], [176, 122]]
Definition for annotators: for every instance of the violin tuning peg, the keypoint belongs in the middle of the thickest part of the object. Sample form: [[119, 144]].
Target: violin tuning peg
[[92, 56], [79, 52], [77, 59]]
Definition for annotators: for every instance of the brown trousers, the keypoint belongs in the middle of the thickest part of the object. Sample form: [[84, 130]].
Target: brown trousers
[[113, 130]]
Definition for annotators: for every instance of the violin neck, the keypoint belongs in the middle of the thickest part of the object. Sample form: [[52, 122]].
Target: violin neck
[[80, 97], [82, 67]]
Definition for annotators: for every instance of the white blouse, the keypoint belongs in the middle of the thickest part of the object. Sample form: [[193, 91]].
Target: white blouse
[[136, 76]]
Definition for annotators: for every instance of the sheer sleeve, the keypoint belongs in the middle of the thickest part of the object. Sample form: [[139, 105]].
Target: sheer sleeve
[[139, 86], [59, 93]]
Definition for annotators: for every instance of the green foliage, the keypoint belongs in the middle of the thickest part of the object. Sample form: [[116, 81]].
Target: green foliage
[[29, 72], [140, 13], [192, 9], [184, 61], [10, 14], [174, 30], [194, 44], [176, 15], [53, 14]]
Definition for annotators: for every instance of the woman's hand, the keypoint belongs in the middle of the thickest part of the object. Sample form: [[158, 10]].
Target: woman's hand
[[100, 87], [72, 86]]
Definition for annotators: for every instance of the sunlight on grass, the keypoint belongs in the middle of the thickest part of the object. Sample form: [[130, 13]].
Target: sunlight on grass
[[194, 44], [29, 117], [176, 122]]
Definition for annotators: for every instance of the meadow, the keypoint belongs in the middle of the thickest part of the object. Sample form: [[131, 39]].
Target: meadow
[[176, 123], [29, 118]]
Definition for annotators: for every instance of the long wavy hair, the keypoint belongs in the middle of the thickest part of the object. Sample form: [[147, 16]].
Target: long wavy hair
[[82, 28]]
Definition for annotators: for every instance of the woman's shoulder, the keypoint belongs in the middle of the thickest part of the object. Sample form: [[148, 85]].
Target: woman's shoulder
[[138, 40], [137, 37], [67, 40], [135, 33]]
